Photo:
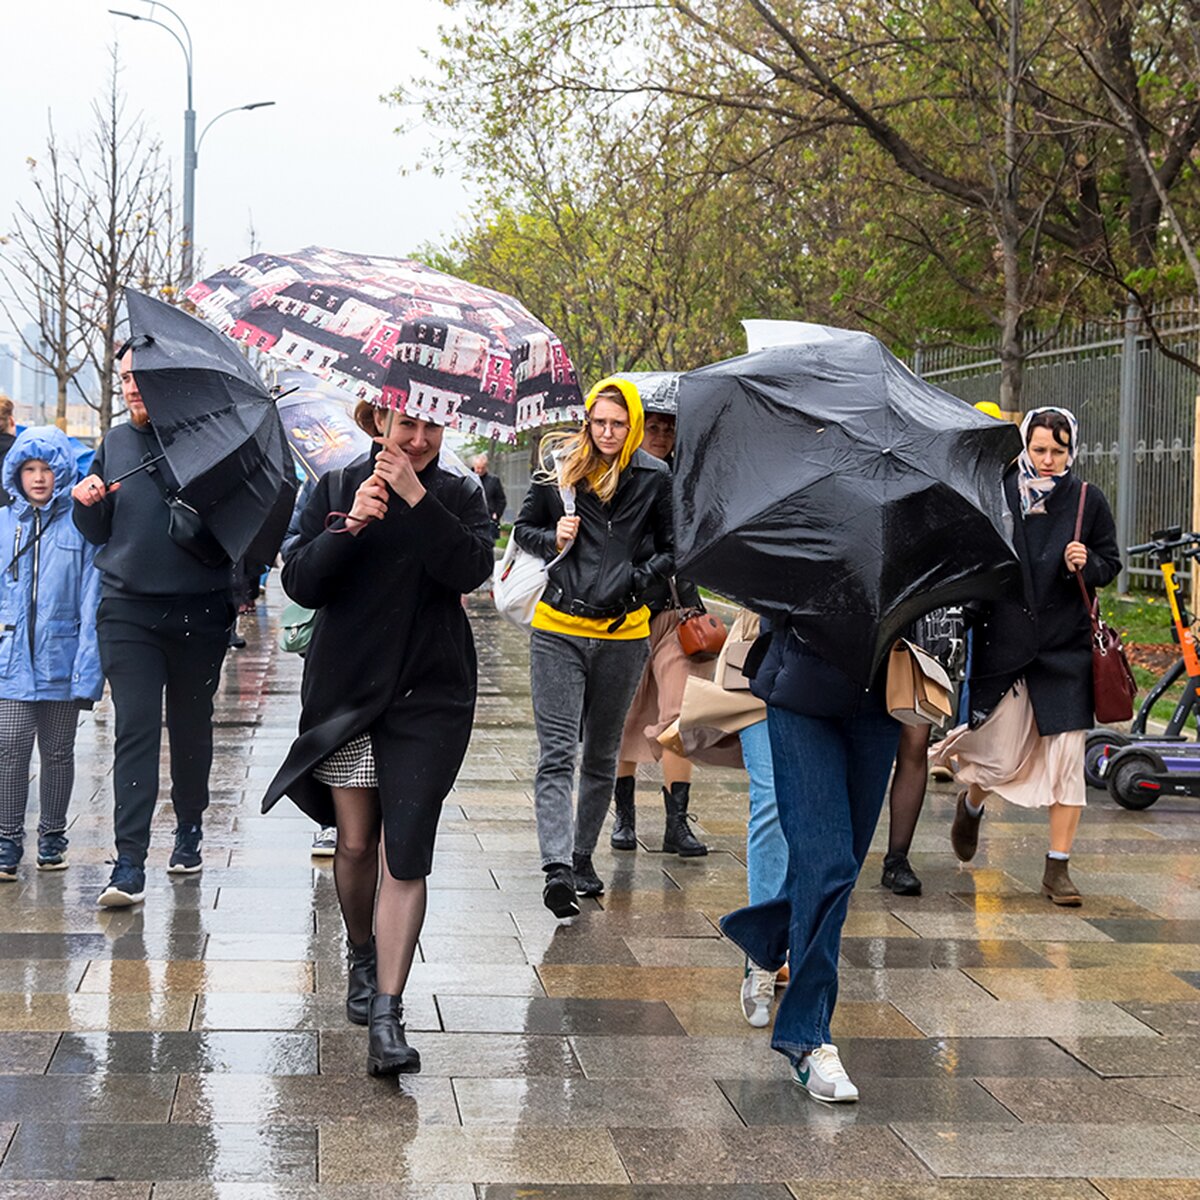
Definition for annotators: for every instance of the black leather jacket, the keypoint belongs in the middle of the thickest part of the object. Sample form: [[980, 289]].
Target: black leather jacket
[[623, 548]]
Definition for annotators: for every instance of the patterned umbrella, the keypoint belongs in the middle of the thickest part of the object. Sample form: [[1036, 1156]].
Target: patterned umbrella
[[401, 335], [659, 390]]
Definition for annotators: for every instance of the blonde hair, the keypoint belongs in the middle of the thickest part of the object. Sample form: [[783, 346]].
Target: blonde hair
[[578, 459]]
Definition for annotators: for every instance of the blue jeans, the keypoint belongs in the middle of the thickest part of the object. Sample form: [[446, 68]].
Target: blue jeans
[[830, 778], [766, 849]]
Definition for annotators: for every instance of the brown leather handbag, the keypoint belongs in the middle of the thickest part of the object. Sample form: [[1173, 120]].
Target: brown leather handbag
[[1113, 684], [700, 633]]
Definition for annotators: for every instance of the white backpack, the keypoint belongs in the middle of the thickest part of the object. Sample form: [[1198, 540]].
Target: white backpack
[[519, 578]]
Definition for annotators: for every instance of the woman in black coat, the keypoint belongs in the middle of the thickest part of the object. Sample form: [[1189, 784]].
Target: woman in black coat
[[386, 550], [1031, 671]]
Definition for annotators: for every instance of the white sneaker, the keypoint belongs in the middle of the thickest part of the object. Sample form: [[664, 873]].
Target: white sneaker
[[325, 842], [758, 991], [822, 1075]]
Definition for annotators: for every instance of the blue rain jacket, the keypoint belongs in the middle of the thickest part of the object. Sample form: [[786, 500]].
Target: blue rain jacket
[[49, 594]]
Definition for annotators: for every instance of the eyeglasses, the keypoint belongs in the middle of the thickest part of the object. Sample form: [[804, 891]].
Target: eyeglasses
[[609, 426]]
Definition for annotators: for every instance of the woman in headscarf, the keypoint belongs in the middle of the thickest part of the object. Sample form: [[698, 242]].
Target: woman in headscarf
[[1031, 668]]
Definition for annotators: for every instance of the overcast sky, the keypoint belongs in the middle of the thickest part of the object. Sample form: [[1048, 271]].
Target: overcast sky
[[321, 167]]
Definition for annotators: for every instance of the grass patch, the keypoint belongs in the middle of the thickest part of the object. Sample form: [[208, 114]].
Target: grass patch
[[1144, 619]]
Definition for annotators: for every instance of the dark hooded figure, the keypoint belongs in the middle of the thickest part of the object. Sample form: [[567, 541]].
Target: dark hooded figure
[[386, 550]]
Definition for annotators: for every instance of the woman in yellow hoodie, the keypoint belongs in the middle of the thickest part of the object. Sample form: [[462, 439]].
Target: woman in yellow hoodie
[[589, 638]]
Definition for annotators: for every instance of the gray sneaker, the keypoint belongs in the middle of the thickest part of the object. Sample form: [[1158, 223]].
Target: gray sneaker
[[758, 994], [822, 1075], [325, 842]]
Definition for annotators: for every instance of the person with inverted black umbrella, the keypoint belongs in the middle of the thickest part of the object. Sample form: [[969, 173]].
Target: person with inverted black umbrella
[[166, 555]]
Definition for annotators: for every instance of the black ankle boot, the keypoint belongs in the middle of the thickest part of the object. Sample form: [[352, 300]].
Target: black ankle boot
[[587, 882], [558, 894], [624, 830], [677, 836], [899, 877], [387, 1051], [360, 984]]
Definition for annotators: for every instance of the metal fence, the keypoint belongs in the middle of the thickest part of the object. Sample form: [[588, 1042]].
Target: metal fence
[[1136, 409]]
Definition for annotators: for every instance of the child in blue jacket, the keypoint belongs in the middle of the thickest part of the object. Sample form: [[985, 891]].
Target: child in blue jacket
[[49, 662]]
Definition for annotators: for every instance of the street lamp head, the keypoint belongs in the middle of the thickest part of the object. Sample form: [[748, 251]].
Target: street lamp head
[[259, 104], [116, 12]]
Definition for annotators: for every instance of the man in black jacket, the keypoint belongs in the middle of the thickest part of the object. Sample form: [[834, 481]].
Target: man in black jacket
[[163, 626], [493, 493]]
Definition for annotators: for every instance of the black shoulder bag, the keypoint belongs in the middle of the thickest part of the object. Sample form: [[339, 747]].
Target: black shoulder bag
[[186, 527]]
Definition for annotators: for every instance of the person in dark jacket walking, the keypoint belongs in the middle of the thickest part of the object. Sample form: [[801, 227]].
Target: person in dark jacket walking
[[49, 664], [8, 435], [163, 627], [1031, 665], [386, 550], [588, 644], [659, 697], [493, 492]]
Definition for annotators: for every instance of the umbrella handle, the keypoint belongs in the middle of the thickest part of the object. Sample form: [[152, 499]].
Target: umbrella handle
[[140, 467]]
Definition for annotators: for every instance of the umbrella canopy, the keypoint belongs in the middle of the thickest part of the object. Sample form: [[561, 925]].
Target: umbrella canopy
[[825, 482], [216, 423], [318, 424], [401, 335], [659, 390]]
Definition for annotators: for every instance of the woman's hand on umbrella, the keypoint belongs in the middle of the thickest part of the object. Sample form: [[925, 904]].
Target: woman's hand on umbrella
[[1075, 556], [567, 530], [396, 468], [91, 490], [370, 504]]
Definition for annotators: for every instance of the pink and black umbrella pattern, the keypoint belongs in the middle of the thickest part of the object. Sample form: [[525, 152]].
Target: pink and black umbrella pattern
[[401, 335]]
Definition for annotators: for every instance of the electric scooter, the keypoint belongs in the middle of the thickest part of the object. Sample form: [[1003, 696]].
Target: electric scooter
[[1138, 767]]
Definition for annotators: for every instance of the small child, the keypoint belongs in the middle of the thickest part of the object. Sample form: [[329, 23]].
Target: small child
[[49, 662]]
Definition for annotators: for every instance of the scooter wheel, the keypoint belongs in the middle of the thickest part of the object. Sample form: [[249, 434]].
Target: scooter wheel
[[1124, 777], [1093, 752]]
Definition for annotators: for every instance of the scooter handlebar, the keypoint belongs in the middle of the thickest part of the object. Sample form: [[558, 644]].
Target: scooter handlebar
[[1165, 544]]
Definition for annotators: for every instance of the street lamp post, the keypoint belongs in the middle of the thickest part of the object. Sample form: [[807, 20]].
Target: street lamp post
[[191, 145]]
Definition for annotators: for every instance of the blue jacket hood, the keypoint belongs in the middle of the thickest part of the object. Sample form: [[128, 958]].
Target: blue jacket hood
[[50, 444]]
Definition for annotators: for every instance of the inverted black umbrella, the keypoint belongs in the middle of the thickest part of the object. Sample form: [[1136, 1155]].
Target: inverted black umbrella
[[216, 422], [826, 483]]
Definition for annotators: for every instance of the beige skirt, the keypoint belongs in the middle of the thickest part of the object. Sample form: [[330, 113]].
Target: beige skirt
[[1008, 757]]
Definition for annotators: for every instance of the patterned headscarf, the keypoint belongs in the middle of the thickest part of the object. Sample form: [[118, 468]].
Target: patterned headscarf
[[1036, 490]]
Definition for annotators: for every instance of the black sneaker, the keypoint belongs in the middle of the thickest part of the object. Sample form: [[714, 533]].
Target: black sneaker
[[559, 893], [126, 886], [899, 877], [185, 858], [587, 882], [52, 852], [10, 858]]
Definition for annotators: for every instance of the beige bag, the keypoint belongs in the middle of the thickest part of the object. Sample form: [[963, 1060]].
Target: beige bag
[[918, 688]]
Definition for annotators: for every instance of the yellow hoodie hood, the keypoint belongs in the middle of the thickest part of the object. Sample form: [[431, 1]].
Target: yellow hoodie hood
[[637, 416]]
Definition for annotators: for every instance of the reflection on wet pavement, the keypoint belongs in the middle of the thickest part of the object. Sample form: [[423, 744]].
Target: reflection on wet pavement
[[197, 1046]]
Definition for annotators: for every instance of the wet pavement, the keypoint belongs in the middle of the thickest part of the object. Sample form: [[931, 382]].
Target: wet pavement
[[196, 1046]]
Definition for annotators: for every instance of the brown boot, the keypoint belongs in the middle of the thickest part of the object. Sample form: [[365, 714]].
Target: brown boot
[[964, 832], [1057, 885]]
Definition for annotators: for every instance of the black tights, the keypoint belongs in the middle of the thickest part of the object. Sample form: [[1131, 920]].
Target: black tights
[[370, 895], [908, 787]]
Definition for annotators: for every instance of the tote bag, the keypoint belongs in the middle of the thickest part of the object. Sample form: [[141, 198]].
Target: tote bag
[[519, 578]]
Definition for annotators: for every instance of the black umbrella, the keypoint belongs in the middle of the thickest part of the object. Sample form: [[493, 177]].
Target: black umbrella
[[826, 482], [217, 425]]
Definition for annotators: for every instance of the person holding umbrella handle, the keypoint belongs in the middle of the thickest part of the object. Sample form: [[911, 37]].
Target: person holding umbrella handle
[[386, 549], [162, 627]]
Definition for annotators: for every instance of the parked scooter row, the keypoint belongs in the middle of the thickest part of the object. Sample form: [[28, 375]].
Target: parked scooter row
[[1138, 767]]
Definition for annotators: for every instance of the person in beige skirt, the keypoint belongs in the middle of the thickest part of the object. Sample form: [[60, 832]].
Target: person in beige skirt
[[1030, 687]]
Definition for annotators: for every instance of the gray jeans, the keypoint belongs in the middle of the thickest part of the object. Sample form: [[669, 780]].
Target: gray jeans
[[578, 683]]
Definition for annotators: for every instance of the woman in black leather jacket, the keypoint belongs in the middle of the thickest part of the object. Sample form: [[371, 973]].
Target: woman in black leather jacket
[[589, 637]]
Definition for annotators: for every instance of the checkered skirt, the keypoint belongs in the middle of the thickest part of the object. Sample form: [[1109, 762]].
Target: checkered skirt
[[351, 765]]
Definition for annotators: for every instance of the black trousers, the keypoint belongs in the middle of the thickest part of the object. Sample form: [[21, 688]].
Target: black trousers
[[150, 646]]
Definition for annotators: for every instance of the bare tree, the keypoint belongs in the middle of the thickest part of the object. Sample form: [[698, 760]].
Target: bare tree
[[130, 238], [40, 267]]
